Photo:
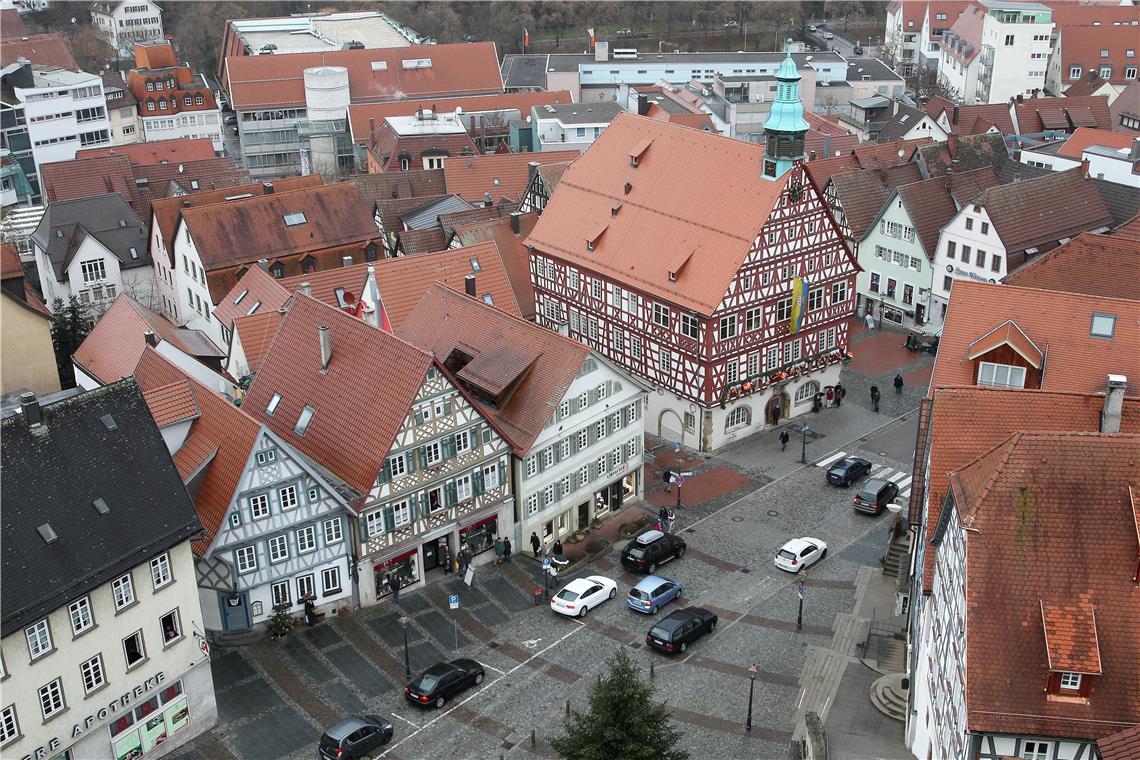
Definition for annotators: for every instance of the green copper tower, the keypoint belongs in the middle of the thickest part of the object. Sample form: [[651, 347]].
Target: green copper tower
[[785, 127]]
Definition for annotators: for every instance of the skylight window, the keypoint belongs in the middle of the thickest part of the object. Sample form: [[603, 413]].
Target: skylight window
[[134, 252], [303, 420], [297, 217], [475, 266], [1103, 325], [488, 299], [273, 402], [241, 295], [253, 308]]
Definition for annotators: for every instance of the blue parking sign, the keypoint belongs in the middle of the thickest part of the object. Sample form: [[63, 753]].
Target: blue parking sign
[[453, 601]]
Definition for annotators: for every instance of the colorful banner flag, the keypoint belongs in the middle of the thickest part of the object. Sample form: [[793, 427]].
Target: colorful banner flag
[[526, 37], [799, 306], [592, 40]]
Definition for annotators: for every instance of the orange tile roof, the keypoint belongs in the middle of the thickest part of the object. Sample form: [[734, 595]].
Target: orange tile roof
[[445, 320], [1088, 110], [501, 174], [255, 292], [971, 120], [360, 400], [1007, 334], [148, 153], [278, 80], [359, 114], [1091, 263], [512, 248], [10, 265], [256, 333], [1058, 323], [1085, 137], [427, 240], [221, 439], [713, 215], [1123, 745], [112, 349], [388, 147], [44, 49], [1035, 602], [1130, 230], [172, 403], [1089, 12], [871, 156], [1082, 45], [11, 25]]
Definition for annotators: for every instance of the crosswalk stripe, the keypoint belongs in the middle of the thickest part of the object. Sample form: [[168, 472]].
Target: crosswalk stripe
[[831, 459], [905, 495], [897, 477], [904, 483]]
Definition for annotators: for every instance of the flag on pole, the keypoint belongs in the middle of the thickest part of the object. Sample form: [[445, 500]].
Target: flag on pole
[[526, 37], [592, 40], [799, 295]]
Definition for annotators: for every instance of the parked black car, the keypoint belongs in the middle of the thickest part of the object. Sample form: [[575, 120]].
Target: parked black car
[[847, 470], [443, 681], [683, 627], [354, 737], [650, 549], [875, 495]]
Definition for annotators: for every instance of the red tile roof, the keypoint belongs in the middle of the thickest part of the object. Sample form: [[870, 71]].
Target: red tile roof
[[972, 120], [501, 175], [871, 156], [1089, 84], [221, 439], [10, 265], [1130, 230], [1086, 137], [388, 147], [112, 349], [278, 80], [512, 248], [1123, 745], [1039, 114], [45, 49], [1057, 323], [157, 151], [931, 203], [256, 333], [1032, 591], [1067, 13], [172, 403], [1007, 334], [861, 194], [360, 114], [388, 186], [708, 218], [11, 25], [255, 287], [967, 29], [1082, 45], [505, 346], [1093, 264], [360, 400]]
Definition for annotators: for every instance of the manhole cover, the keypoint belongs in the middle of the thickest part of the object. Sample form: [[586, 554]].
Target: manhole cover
[[689, 530], [745, 570], [494, 645], [508, 744], [738, 518], [864, 439], [773, 513], [633, 645]]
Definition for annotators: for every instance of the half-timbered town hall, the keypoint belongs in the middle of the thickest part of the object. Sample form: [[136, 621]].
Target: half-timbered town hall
[[708, 266]]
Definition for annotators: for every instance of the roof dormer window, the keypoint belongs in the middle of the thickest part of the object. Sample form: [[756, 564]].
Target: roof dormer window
[[303, 420], [1001, 375], [1071, 681]]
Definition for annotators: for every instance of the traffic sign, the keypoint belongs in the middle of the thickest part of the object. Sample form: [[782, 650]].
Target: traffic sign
[[453, 601], [545, 562], [679, 481], [686, 474]]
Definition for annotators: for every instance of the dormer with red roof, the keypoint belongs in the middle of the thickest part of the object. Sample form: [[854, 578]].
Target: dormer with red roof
[[1006, 357], [1072, 648]]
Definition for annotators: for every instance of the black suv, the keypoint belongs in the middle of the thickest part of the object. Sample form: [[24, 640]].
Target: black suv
[[847, 470], [650, 549], [683, 627], [875, 495], [354, 737]]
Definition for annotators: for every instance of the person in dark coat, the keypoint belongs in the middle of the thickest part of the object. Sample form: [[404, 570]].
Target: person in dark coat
[[839, 393], [898, 383], [875, 397], [506, 550], [556, 550], [310, 610], [535, 543], [498, 551], [784, 438]]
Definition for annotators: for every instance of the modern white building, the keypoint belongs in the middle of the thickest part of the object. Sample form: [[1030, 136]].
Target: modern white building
[[101, 653], [573, 126], [996, 51], [173, 101], [121, 111], [122, 23]]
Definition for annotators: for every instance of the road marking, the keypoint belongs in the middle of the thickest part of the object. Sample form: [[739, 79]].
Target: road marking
[[491, 667], [831, 459], [413, 725], [897, 477], [531, 643], [483, 690]]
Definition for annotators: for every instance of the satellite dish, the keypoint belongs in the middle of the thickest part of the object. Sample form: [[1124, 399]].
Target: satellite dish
[[181, 168], [901, 152], [838, 153], [459, 110]]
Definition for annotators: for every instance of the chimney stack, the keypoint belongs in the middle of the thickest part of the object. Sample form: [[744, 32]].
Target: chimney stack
[[1020, 98], [469, 285], [267, 188], [326, 347], [955, 115], [33, 416], [305, 288], [488, 199], [826, 145], [346, 261], [516, 223], [1113, 404], [952, 144], [151, 339], [532, 169], [642, 104]]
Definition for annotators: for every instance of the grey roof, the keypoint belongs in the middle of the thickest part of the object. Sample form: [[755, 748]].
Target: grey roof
[[1011, 171], [857, 68], [427, 215], [524, 71], [874, 101], [898, 124], [54, 474], [107, 218], [1123, 201], [580, 113]]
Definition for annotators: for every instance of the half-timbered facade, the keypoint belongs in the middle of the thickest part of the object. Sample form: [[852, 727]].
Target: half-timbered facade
[[386, 419], [687, 279], [540, 185]]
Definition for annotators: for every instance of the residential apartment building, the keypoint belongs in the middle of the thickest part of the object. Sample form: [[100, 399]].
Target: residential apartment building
[[48, 114], [570, 466], [914, 29], [1098, 40], [276, 526], [573, 126], [430, 474], [121, 111], [422, 141], [101, 650], [173, 101], [997, 51], [121, 23]]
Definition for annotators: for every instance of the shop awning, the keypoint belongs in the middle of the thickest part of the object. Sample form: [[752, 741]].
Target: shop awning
[[931, 329]]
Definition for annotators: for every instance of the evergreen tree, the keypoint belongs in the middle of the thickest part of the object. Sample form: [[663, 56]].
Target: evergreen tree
[[68, 329], [623, 721]]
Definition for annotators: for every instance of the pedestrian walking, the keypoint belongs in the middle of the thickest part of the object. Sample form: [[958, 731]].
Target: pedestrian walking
[[869, 320], [898, 383], [498, 551], [556, 550], [670, 517], [535, 543], [784, 438], [663, 515], [839, 394], [310, 610], [875, 397], [506, 550], [668, 478]]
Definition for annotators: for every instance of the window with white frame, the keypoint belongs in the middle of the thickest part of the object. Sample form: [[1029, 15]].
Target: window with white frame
[[39, 639], [631, 448], [160, 570], [564, 448], [80, 613], [288, 496], [827, 339], [792, 351], [397, 465], [600, 429], [1001, 375], [732, 370], [784, 309], [815, 299], [548, 457], [306, 586], [93, 270], [374, 523], [330, 580], [278, 549], [661, 314], [134, 650], [490, 475], [772, 358], [532, 465], [333, 531], [401, 513], [9, 726], [753, 318], [583, 475], [280, 592], [738, 417], [51, 698], [601, 463], [123, 591], [246, 557], [1035, 751], [462, 441], [463, 490], [727, 327], [264, 457], [839, 292], [170, 627], [806, 392], [432, 452], [690, 326], [92, 672], [306, 539], [259, 506], [1070, 680], [1074, 72]]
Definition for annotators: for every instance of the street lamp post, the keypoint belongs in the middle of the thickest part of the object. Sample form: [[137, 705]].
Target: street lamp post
[[800, 614], [407, 662], [751, 687], [803, 449]]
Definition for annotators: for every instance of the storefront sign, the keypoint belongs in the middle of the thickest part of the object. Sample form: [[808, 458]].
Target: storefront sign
[[959, 272], [477, 524], [394, 560]]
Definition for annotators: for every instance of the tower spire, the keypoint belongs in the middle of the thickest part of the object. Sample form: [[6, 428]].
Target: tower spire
[[785, 127]]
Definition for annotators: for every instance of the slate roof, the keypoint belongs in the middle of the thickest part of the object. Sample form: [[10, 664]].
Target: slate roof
[[862, 194], [128, 467], [421, 241], [512, 249], [932, 203], [390, 211], [1034, 601], [427, 213], [1039, 114], [254, 287], [1092, 264], [112, 349], [448, 222], [970, 151], [278, 80], [1121, 200], [107, 218], [899, 123], [445, 320], [857, 68], [502, 174], [42, 49], [359, 114], [365, 393], [386, 186], [1040, 211], [708, 219]]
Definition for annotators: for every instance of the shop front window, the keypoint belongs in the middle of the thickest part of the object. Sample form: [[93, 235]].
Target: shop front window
[[480, 537], [399, 571], [150, 724]]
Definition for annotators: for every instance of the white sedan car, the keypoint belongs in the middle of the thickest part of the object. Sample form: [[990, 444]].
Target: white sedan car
[[800, 553], [582, 595]]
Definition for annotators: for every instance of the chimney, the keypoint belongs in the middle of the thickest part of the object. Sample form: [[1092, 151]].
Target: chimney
[[267, 188], [151, 339], [642, 104], [371, 125], [516, 218], [532, 169], [488, 199], [628, 187], [614, 209], [1084, 168], [186, 204], [469, 288], [955, 115], [1134, 154], [1113, 403], [326, 347], [33, 417], [1020, 98], [952, 145], [346, 261], [305, 289], [826, 145]]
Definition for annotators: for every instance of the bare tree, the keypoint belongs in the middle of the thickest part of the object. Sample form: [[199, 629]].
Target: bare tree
[[890, 50]]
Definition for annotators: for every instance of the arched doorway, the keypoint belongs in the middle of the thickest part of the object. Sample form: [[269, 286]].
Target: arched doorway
[[777, 409], [675, 431]]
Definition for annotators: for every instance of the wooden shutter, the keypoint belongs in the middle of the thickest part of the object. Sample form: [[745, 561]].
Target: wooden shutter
[[423, 457], [502, 474], [449, 494], [389, 519], [385, 473], [477, 481], [447, 407], [448, 446]]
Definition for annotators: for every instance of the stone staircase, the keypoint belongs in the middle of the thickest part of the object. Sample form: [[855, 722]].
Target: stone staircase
[[889, 696], [895, 554], [822, 672]]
